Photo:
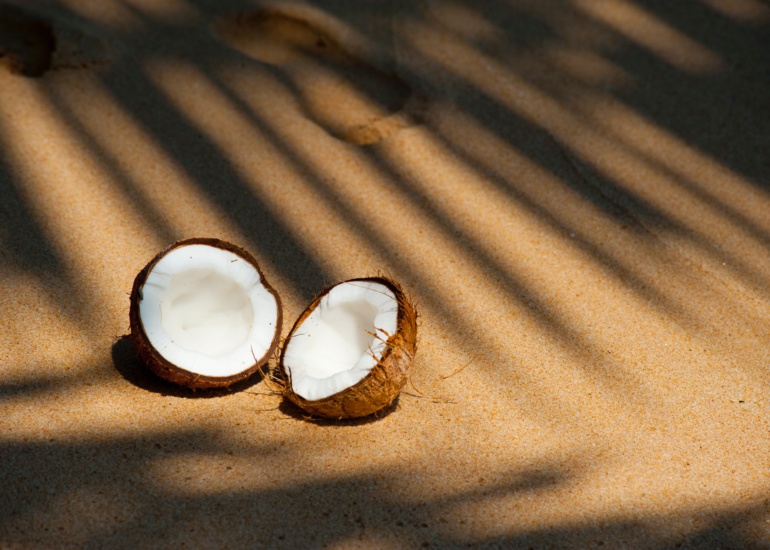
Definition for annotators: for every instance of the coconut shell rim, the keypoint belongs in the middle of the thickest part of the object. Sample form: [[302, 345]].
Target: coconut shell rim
[[167, 370]]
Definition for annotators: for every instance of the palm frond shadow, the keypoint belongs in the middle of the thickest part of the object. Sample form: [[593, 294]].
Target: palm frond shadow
[[146, 495]]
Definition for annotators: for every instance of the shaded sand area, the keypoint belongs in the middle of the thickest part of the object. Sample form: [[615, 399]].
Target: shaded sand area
[[576, 193]]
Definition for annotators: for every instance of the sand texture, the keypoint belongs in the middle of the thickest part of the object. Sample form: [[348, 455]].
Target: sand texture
[[575, 193]]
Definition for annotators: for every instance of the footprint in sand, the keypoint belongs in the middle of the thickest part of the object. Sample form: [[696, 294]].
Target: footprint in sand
[[350, 98], [33, 43]]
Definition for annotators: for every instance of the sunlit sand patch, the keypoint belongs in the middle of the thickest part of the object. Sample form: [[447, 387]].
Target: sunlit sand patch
[[167, 10], [746, 11], [580, 135], [348, 96], [75, 202], [120, 16], [508, 316], [668, 172], [33, 320], [168, 194], [511, 241], [530, 102], [584, 65], [464, 22], [311, 218], [718, 182], [653, 34]]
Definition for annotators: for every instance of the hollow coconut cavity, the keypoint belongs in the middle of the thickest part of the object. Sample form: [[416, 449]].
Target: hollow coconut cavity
[[203, 315], [350, 352]]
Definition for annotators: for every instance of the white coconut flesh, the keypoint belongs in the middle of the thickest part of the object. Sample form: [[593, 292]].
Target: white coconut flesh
[[205, 310], [340, 342]]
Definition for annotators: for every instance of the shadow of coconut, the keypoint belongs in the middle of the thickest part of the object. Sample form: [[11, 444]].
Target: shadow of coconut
[[131, 367]]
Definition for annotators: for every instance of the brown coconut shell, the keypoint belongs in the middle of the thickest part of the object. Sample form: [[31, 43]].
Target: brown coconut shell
[[174, 373], [383, 384]]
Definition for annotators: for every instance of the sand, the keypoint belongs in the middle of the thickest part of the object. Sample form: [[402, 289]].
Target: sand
[[576, 194]]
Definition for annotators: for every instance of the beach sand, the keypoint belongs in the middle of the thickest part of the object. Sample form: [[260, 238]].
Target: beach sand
[[575, 193]]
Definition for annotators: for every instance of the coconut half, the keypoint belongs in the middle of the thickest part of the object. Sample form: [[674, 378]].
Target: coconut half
[[349, 354], [203, 315]]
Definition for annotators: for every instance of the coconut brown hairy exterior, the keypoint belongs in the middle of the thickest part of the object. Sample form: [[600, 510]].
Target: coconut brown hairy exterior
[[387, 377], [167, 370]]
